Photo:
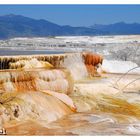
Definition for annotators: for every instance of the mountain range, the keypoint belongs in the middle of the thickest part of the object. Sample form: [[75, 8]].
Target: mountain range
[[20, 26]]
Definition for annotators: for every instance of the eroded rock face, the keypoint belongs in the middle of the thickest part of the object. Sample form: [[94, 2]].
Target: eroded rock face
[[16, 62], [43, 79], [35, 94], [28, 64], [35, 89], [92, 62]]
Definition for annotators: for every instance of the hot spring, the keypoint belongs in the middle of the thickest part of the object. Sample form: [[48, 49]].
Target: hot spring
[[56, 95]]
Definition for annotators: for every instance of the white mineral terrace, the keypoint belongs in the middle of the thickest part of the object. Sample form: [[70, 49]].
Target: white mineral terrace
[[54, 95]]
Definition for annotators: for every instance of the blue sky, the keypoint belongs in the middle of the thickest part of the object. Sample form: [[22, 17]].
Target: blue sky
[[77, 15]]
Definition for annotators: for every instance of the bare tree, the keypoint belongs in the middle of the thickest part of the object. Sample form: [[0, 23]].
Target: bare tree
[[129, 53]]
